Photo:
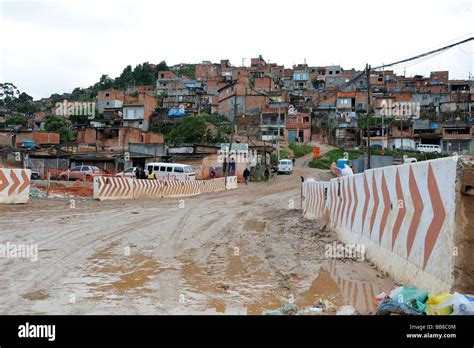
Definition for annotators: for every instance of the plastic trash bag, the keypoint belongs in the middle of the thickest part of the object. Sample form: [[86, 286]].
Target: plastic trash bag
[[389, 306], [411, 296], [445, 304], [439, 304], [288, 308]]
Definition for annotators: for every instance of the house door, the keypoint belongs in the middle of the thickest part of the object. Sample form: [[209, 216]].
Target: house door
[[291, 135]]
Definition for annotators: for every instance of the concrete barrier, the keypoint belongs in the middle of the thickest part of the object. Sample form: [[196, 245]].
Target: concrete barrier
[[125, 188], [406, 216], [14, 186], [231, 182], [113, 188]]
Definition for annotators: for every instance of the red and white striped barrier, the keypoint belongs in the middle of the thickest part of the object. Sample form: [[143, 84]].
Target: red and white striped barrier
[[124, 188], [404, 215], [14, 186], [113, 188]]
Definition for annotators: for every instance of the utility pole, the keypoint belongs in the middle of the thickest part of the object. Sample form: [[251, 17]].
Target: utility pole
[[226, 172], [367, 72], [278, 136]]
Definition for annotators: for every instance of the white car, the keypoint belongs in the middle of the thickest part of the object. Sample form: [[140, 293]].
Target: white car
[[128, 173], [285, 166], [181, 172], [428, 148]]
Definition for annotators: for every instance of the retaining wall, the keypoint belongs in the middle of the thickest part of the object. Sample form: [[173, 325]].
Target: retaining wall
[[14, 186], [406, 216], [126, 188]]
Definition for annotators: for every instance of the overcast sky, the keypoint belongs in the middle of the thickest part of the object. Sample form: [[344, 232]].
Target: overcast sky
[[50, 46]]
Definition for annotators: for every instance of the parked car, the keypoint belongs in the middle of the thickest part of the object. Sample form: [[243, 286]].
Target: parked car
[[285, 166], [28, 144], [407, 149], [35, 175], [81, 172], [128, 173], [376, 147], [428, 148], [181, 172], [407, 159]]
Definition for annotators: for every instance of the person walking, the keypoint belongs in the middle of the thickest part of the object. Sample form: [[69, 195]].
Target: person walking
[[266, 174], [151, 175], [246, 176]]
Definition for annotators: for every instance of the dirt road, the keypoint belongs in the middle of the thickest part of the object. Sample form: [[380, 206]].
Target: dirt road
[[245, 251]]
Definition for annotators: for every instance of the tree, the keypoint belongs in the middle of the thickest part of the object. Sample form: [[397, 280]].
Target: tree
[[60, 125], [161, 67], [16, 120], [191, 130], [105, 82], [7, 90]]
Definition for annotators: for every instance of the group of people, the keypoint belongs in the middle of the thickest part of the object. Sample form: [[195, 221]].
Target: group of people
[[140, 174]]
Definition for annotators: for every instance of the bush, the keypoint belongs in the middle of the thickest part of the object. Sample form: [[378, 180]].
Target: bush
[[284, 154], [299, 150]]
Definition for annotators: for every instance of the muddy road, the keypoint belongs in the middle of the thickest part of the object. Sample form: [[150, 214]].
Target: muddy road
[[245, 251]]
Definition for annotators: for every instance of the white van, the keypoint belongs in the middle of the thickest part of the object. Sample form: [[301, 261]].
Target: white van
[[285, 166], [428, 148], [181, 172]]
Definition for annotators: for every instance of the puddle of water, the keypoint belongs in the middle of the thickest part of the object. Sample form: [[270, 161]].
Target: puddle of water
[[196, 275], [218, 304], [119, 273], [255, 225], [243, 282], [322, 287], [36, 295]]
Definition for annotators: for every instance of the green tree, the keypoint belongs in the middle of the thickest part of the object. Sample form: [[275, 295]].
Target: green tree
[[105, 82], [191, 130], [60, 125], [161, 67], [16, 120]]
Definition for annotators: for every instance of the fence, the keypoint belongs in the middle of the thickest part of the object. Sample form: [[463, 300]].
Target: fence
[[42, 165]]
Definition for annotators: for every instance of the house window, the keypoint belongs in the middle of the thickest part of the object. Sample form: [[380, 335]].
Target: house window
[[106, 94]]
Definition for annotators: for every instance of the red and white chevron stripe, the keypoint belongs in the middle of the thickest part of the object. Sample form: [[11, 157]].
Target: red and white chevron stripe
[[14, 185], [407, 210], [124, 188]]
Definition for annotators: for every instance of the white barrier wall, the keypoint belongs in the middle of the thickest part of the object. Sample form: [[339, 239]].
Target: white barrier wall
[[125, 188], [14, 186], [404, 215]]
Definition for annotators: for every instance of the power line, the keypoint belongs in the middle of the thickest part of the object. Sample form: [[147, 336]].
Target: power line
[[425, 54]]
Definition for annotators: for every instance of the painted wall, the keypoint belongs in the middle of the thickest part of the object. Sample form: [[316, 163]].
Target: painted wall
[[404, 215]]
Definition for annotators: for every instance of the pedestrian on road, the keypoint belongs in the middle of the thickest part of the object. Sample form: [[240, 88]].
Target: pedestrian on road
[[137, 172], [293, 161], [151, 175], [246, 176], [266, 174]]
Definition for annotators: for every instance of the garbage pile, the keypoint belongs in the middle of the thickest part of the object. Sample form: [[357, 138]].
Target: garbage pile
[[406, 300]]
